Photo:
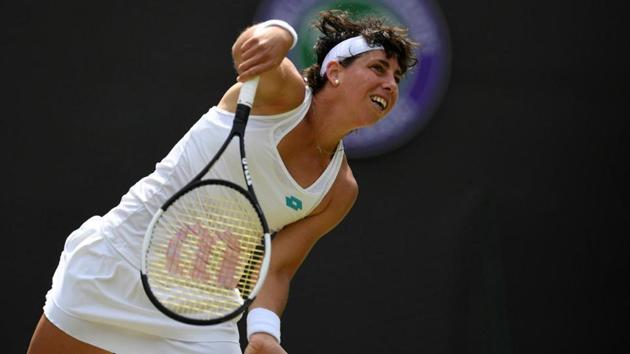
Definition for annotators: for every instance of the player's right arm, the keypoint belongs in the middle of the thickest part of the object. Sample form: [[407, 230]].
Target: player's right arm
[[290, 247], [262, 51]]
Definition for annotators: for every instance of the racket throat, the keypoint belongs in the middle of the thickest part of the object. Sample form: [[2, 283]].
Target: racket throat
[[240, 119], [246, 174]]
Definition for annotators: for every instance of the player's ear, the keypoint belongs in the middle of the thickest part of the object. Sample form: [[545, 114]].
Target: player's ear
[[333, 72]]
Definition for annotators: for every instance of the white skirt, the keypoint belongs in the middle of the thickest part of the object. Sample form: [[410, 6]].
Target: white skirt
[[97, 297]]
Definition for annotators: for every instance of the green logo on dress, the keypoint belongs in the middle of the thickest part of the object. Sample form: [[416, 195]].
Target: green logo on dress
[[293, 203]]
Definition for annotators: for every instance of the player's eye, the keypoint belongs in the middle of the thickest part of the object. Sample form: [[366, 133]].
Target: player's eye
[[378, 68]]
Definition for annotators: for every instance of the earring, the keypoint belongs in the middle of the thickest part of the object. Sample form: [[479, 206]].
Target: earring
[[336, 82]]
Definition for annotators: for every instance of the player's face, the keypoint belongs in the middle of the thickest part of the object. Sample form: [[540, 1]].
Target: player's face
[[372, 86]]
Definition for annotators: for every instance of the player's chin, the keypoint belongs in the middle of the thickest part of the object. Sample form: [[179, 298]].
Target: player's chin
[[372, 119]]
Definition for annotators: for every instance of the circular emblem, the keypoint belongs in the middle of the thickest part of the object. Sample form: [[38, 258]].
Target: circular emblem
[[422, 88]]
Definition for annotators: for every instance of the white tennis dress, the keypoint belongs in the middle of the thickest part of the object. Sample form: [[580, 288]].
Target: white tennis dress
[[97, 296]]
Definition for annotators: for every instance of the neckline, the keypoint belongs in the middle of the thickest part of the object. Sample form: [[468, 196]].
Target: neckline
[[332, 164], [311, 189]]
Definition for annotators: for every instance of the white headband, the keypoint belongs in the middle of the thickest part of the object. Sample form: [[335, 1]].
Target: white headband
[[346, 49]]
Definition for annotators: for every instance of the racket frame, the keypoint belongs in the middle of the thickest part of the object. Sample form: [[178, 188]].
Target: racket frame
[[241, 116]]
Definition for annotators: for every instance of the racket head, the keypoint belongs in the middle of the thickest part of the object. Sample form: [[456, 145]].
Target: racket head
[[206, 253]]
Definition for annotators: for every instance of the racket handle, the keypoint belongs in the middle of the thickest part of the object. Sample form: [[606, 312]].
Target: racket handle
[[248, 92]]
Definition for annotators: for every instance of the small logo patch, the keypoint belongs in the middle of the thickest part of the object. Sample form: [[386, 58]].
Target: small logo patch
[[293, 203]]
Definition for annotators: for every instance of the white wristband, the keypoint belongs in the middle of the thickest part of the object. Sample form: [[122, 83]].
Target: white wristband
[[281, 24], [263, 320]]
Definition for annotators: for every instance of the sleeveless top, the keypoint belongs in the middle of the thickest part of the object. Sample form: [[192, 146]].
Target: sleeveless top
[[281, 198]]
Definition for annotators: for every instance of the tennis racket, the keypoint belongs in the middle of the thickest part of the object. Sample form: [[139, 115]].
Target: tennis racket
[[206, 251]]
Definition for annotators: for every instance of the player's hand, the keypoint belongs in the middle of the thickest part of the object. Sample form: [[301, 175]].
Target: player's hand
[[263, 50], [262, 343]]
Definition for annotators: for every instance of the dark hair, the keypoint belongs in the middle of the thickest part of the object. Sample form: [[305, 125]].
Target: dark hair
[[336, 26]]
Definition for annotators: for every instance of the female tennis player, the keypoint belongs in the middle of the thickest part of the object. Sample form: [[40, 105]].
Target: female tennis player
[[302, 179]]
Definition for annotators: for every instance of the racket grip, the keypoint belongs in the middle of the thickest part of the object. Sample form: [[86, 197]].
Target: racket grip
[[248, 92]]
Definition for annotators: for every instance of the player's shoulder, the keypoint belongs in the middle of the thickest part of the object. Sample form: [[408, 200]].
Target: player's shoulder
[[280, 90]]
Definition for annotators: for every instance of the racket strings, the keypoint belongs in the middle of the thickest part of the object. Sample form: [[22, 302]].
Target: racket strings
[[216, 211], [245, 238], [249, 266], [214, 220], [205, 252]]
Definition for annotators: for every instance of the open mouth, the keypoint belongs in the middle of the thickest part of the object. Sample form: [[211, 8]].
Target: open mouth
[[380, 102]]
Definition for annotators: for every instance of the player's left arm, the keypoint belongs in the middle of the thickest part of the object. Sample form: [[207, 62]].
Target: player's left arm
[[292, 244]]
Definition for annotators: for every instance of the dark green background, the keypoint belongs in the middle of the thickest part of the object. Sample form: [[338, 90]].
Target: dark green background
[[502, 228]]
